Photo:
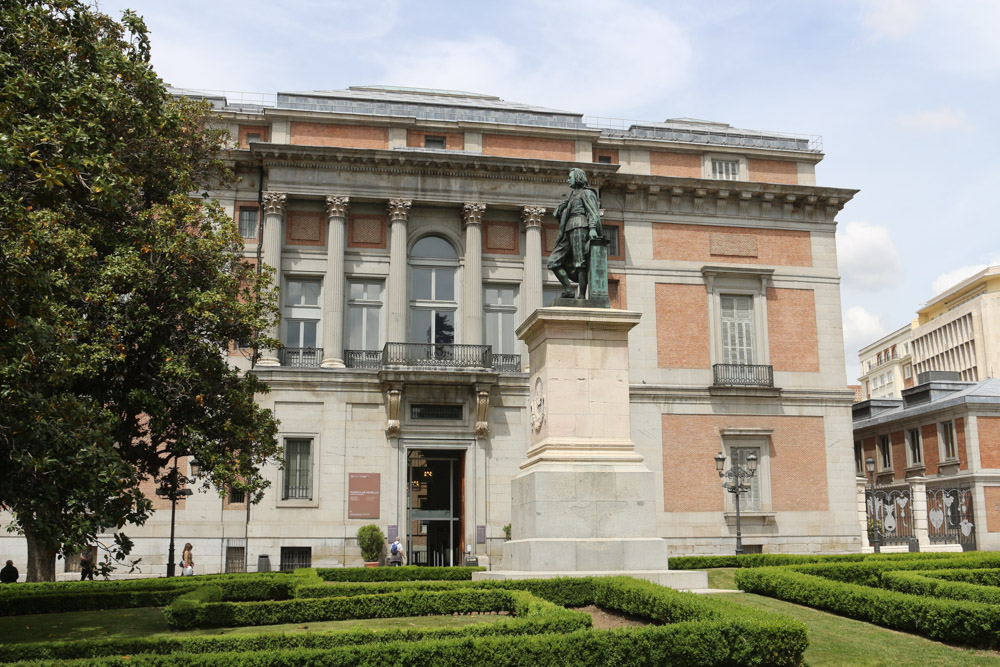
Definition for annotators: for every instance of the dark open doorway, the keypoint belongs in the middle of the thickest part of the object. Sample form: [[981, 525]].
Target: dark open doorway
[[435, 503]]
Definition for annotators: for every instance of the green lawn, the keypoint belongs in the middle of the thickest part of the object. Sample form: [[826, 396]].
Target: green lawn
[[149, 621], [835, 640]]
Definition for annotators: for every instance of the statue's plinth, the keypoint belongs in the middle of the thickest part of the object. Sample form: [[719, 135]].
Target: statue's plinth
[[585, 502]]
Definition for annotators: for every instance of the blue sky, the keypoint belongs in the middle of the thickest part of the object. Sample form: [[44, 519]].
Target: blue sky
[[904, 93]]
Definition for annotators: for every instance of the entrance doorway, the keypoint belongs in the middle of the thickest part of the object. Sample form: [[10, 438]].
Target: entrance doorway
[[435, 479]]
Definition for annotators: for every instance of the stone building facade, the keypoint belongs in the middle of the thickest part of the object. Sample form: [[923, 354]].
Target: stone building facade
[[410, 229]]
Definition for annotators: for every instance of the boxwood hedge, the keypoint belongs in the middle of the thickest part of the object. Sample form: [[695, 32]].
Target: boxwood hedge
[[405, 573], [774, 560]]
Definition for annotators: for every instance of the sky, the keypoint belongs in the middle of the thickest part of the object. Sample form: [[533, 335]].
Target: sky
[[903, 92]]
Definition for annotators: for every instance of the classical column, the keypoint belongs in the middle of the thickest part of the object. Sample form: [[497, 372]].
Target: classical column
[[399, 214], [274, 213], [531, 286], [333, 294], [472, 280]]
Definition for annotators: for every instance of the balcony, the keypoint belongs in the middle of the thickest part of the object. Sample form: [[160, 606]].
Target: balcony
[[742, 375], [301, 357], [433, 356]]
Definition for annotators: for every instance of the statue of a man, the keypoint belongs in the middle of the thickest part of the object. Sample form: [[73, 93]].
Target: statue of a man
[[579, 219]]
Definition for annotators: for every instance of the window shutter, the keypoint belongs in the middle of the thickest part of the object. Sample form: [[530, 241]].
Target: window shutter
[[737, 329]]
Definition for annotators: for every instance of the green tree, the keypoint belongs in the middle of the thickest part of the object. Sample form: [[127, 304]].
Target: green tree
[[119, 290]]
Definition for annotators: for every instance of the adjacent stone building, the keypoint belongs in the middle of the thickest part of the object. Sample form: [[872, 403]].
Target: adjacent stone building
[[410, 229]]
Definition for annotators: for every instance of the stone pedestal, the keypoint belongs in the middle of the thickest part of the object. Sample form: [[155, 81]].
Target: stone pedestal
[[584, 503]]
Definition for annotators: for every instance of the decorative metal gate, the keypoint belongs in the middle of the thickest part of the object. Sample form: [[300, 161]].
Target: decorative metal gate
[[890, 512], [949, 516]]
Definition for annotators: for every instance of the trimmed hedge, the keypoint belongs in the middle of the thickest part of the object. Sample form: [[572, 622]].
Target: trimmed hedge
[[703, 631], [697, 643], [954, 621], [405, 573], [301, 610], [775, 560], [919, 583], [46, 598]]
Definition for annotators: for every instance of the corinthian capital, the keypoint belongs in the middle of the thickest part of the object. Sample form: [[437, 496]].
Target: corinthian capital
[[399, 209], [336, 206], [532, 216], [274, 203], [472, 213]]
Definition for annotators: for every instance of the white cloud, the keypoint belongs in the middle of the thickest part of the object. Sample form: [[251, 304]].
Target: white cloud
[[938, 119], [952, 278], [891, 19], [956, 37], [867, 256], [589, 60], [861, 328]]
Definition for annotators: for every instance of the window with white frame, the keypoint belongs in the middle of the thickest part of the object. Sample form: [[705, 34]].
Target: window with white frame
[[433, 266], [248, 222], [302, 320], [298, 469], [907, 372], [884, 453], [751, 500], [726, 170], [948, 447], [914, 451], [364, 315], [737, 328], [499, 318]]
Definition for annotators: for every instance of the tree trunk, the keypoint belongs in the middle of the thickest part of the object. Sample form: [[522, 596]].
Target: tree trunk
[[41, 559]]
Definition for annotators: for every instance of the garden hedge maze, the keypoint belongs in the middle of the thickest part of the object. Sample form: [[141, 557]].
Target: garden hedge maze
[[538, 624]]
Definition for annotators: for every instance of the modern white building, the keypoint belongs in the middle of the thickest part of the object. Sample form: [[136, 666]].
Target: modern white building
[[410, 229]]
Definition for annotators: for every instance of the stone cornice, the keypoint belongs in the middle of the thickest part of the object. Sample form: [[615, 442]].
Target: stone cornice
[[641, 193]]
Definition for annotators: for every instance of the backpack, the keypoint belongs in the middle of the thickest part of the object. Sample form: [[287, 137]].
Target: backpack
[[394, 549]]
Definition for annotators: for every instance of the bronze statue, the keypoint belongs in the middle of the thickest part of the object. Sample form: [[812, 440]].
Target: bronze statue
[[579, 219]]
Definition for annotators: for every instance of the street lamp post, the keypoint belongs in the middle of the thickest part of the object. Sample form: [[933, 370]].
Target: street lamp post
[[170, 487], [876, 538], [736, 486]]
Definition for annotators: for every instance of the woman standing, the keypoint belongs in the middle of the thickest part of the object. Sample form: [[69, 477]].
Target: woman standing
[[187, 561]]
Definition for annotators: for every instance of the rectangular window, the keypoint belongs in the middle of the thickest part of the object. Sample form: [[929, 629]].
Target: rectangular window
[[884, 453], [364, 315], [737, 329], [948, 441], [236, 552], [907, 372], [603, 159], [298, 469], [237, 496], [434, 142], [859, 459], [430, 411], [750, 500], [248, 222], [726, 170], [611, 234], [295, 557], [913, 446], [302, 292], [499, 318]]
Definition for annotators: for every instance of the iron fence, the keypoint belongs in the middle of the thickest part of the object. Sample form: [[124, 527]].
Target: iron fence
[[890, 512], [367, 359], [950, 517], [437, 355], [742, 375], [507, 363], [301, 357]]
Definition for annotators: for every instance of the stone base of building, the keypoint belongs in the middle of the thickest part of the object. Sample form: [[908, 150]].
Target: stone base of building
[[677, 579]]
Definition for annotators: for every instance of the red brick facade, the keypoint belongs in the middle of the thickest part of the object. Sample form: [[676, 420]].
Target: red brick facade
[[705, 243]]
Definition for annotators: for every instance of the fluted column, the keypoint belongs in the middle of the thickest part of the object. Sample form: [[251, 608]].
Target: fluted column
[[472, 279], [333, 294], [531, 287], [274, 213], [399, 215]]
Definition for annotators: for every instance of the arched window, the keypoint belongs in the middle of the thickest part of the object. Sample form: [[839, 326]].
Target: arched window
[[433, 263]]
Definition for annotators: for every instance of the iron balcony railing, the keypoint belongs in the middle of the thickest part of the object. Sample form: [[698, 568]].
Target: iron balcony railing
[[367, 359], [301, 357], [743, 375], [440, 356]]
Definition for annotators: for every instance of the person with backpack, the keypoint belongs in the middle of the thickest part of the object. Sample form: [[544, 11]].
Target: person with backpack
[[396, 555]]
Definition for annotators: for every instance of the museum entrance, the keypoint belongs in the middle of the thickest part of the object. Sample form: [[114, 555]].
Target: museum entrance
[[435, 479]]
